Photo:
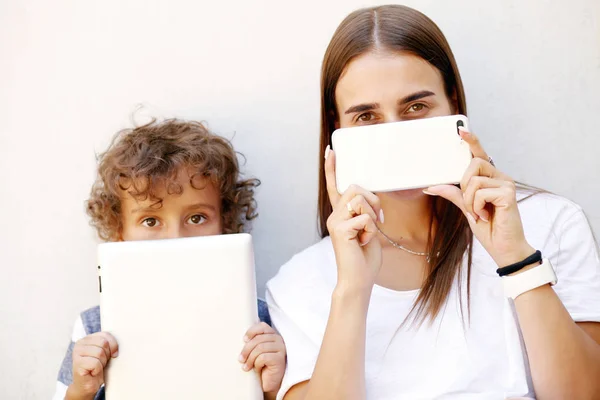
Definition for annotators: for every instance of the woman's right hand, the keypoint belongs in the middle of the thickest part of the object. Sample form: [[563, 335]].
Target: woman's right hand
[[353, 230]]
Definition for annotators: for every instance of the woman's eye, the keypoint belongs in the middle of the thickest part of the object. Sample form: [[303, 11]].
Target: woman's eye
[[150, 222], [366, 117], [416, 108], [197, 219]]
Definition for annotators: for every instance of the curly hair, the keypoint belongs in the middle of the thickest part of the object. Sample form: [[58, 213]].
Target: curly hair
[[140, 160]]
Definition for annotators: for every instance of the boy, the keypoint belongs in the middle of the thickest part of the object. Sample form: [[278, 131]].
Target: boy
[[166, 180]]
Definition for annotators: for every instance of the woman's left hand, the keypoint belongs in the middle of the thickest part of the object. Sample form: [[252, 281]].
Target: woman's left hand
[[488, 199]]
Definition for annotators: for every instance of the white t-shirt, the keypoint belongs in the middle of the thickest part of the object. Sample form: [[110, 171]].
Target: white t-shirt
[[483, 359]]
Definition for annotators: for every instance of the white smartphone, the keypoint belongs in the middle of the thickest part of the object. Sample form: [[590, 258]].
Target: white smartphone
[[401, 155]]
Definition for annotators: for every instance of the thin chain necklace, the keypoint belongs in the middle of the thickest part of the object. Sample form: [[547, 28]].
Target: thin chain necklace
[[406, 249]]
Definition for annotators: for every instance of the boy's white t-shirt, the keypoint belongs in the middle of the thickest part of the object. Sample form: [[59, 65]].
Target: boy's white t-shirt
[[481, 359]]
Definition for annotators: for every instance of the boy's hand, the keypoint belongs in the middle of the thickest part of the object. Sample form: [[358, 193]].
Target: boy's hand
[[90, 356], [265, 352]]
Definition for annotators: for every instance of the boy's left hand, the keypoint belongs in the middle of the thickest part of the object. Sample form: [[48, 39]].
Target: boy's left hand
[[265, 352]]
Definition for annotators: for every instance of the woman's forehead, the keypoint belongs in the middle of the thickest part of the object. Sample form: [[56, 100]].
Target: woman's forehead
[[382, 76]]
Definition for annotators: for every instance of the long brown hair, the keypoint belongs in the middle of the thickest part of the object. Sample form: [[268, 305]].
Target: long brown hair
[[398, 28]]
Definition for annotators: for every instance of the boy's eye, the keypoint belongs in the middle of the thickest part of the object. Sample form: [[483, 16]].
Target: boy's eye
[[197, 219], [150, 222]]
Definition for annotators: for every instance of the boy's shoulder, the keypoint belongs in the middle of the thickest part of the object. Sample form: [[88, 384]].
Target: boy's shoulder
[[90, 319], [263, 312]]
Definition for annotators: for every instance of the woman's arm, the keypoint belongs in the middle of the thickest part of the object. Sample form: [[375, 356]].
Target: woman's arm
[[339, 372], [340, 368], [564, 359]]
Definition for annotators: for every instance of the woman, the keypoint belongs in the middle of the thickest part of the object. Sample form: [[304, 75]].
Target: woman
[[401, 299]]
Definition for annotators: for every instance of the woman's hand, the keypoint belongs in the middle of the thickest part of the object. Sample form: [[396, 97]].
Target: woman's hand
[[488, 199], [353, 230]]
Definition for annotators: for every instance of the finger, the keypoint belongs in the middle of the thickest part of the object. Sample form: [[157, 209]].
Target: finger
[[331, 182], [258, 339], [501, 197], [477, 167], [266, 347], [82, 347], [259, 328], [473, 142], [91, 350], [362, 225], [353, 191], [476, 183], [267, 359], [106, 341], [88, 366], [360, 206]]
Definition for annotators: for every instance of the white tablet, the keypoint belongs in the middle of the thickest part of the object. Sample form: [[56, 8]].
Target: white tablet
[[401, 155], [179, 309]]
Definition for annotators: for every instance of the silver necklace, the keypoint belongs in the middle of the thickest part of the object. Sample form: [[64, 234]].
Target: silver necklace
[[406, 249]]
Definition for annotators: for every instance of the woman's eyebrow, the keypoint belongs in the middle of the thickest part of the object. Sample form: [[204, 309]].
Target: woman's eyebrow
[[372, 106], [415, 96], [362, 108]]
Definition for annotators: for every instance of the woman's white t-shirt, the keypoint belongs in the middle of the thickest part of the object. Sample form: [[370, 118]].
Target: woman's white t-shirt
[[484, 358]]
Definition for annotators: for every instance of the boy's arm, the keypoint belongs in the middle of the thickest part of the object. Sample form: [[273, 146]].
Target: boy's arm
[[65, 374]]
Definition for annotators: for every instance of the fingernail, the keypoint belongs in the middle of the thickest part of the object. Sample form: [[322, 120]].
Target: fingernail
[[115, 354], [381, 216], [471, 218], [463, 129], [327, 150], [241, 358], [429, 193], [246, 339], [484, 219], [246, 367]]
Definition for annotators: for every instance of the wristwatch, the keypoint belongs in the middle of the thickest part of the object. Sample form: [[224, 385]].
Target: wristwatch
[[518, 284]]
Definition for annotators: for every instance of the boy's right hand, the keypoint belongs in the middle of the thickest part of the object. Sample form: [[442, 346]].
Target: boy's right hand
[[90, 356]]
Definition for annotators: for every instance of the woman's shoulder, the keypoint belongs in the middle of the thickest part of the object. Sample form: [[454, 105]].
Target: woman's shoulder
[[537, 207], [550, 221]]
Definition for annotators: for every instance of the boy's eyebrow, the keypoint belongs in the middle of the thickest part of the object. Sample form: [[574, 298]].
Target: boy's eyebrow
[[190, 207], [144, 209], [201, 205]]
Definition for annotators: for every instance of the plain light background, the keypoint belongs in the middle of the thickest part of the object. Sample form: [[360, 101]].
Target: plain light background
[[73, 72]]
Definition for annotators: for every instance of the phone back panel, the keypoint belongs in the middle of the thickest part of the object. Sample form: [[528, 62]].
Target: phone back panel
[[401, 155]]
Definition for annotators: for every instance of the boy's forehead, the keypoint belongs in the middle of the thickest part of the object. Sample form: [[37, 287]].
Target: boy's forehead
[[163, 186]]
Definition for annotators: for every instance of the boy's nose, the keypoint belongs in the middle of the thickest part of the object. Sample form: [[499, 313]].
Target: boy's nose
[[174, 232]]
